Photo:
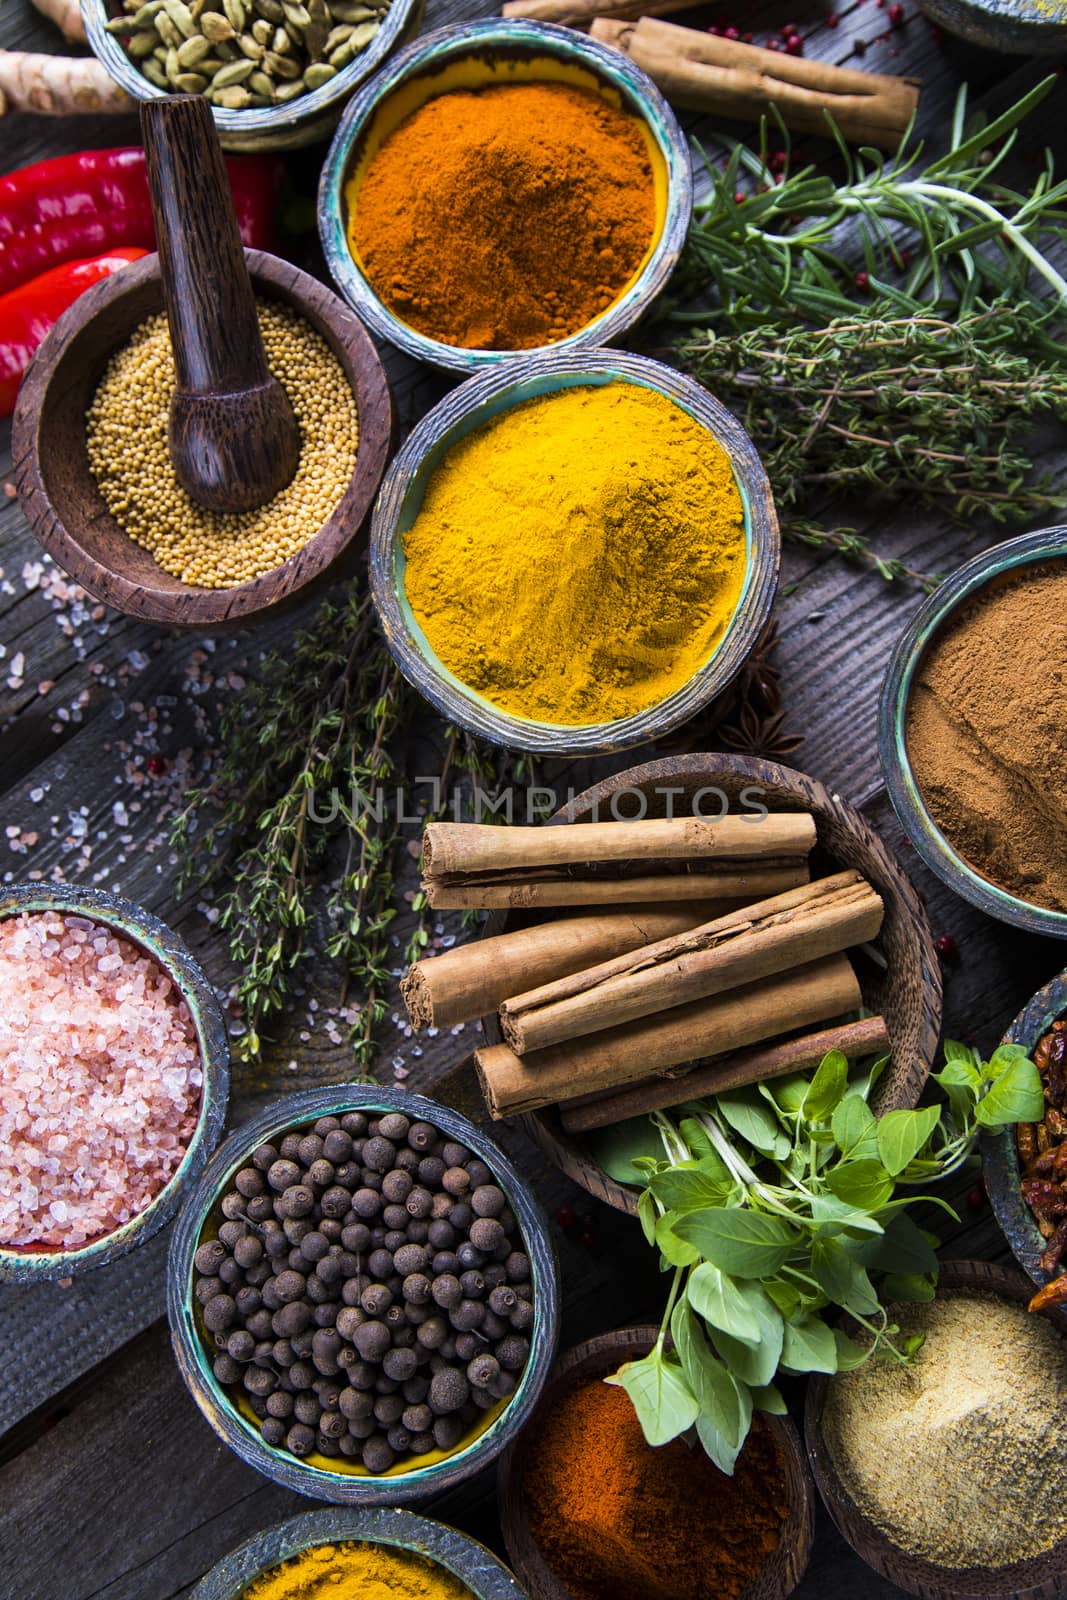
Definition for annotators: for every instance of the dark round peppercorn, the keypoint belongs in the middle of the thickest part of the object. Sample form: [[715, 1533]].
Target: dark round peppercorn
[[399, 1364], [335, 1202], [383, 1384], [356, 1237], [432, 1333], [483, 1371], [473, 1285], [230, 1232], [260, 1208], [455, 1155], [456, 1180], [372, 1340], [302, 1373], [503, 1300], [248, 1252], [333, 1425], [377, 1454], [260, 1381], [297, 1202], [226, 1369], [313, 1246], [354, 1123], [219, 1313], [395, 1239], [411, 1258], [300, 1439], [380, 1264], [522, 1317], [320, 1175], [284, 1354], [206, 1288], [291, 1318], [442, 1206], [399, 1439], [479, 1172], [337, 1146], [512, 1352], [407, 1160], [327, 1273], [470, 1257], [447, 1290], [366, 1203], [493, 1327], [273, 1431], [349, 1174], [306, 1408], [449, 1390], [259, 1324], [467, 1316], [419, 1202], [209, 1257], [417, 1419], [379, 1154], [355, 1404], [264, 1156], [447, 1432], [231, 1273], [234, 1205], [446, 1262], [249, 1182], [376, 1299], [241, 1345], [331, 1229], [431, 1171], [283, 1175], [441, 1234], [487, 1200], [486, 1234], [280, 1404], [395, 1218], [416, 1288], [309, 1149], [422, 1137], [461, 1216], [394, 1125]]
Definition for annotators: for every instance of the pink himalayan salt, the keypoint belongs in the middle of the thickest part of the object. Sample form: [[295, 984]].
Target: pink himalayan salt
[[100, 1080]]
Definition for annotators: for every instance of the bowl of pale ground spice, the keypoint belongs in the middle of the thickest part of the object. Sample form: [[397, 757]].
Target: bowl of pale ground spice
[[973, 731], [94, 474], [501, 187], [574, 553], [359, 1554], [948, 1475]]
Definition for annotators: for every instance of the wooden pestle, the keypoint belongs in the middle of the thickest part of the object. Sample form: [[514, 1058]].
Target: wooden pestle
[[234, 439]]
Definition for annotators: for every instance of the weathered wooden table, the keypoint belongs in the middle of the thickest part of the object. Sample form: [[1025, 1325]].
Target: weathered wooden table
[[111, 1484]]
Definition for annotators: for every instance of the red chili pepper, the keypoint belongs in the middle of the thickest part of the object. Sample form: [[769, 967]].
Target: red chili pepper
[[72, 207], [27, 313]]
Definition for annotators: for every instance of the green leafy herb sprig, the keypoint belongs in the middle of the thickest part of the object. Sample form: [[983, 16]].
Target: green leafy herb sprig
[[321, 719], [912, 365], [778, 1205]]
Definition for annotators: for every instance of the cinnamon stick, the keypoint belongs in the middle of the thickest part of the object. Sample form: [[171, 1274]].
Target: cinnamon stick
[[611, 863], [698, 71], [580, 13], [788, 930], [854, 1039], [472, 980], [625, 1055]]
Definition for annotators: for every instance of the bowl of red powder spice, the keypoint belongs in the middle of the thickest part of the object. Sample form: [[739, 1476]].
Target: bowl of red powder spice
[[973, 732], [114, 1074], [590, 1511], [503, 187]]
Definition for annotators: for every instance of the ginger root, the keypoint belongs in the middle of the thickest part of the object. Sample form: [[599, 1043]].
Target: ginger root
[[66, 14], [57, 86]]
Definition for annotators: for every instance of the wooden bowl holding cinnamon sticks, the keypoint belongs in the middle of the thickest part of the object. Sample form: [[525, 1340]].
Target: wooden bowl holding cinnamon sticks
[[899, 979], [597, 1358]]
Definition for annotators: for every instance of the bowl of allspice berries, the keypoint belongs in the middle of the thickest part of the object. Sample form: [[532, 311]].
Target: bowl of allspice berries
[[363, 1296]]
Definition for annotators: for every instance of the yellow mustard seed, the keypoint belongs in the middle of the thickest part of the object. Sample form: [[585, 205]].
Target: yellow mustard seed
[[126, 436]]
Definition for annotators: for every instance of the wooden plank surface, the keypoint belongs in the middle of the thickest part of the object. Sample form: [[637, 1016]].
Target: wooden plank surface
[[114, 1486]]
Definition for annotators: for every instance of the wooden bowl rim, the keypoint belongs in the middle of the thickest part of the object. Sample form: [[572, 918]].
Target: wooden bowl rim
[[241, 602], [1000, 1157], [589, 1357], [1040, 1577], [568, 1152]]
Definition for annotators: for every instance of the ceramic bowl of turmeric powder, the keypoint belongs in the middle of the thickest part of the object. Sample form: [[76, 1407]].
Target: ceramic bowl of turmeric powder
[[973, 732], [572, 554], [377, 1555], [504, 186]]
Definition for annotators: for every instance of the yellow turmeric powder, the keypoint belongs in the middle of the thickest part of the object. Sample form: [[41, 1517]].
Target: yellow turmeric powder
[[579, 557], [357, 1572]]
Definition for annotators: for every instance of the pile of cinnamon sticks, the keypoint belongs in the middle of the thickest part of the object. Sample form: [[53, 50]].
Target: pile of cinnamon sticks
[[701, 959]]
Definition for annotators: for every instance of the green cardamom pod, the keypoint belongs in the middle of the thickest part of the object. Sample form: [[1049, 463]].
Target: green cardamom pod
[[142, 45], [362, 35], [280, 66], [170, 35], [298, 15], [260, 84], [271, 10], [181, 16], [249, 48], [280, 42], [192, 52], [233, 73], [173, 65], [262, 31], [146, 14], [216, 27], [154, 73], [289, 91], [235, 14], [338, 36], [233, 98], [318, 73], [191, 82]]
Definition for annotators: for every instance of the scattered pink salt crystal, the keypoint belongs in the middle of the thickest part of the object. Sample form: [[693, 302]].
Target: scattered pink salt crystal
[[100, 1080]]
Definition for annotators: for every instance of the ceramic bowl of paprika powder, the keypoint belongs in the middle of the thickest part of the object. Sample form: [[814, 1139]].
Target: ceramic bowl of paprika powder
[[589, 1509], [383, 1551], [504, 186], [573, 553]]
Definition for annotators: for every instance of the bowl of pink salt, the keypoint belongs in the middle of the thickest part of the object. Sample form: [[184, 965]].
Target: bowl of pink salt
[[114, 1072]]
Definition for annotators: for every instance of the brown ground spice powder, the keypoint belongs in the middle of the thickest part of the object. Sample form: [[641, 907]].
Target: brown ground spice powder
[[618, 1520], [507, 217], [987, 736]]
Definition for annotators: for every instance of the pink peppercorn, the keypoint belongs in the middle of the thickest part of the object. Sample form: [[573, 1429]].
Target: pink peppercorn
[[794, 45], [155, 766], [896, 16], [833, 20], [863, 281]]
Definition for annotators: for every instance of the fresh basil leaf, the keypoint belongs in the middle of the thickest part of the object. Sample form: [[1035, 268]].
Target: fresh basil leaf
[[961, 1071], [689, 1189], [657, 1386], [1004, 1056], [842, 1278], [647, 1215], [902, 1134], [903, 1248], [744, 1243], [673, 1247], [785, 1296], [768, 1398], [863, 1184], [833, 1217], [827, 1088], [725, 1404], [788, 1093], [696, 1137], [750, 1117], [909, 1286], [850, 1355], [1016, 1096], [756, 1364], [809, 1346], [865, 1083], [954, 1051], [853, 1125], [723, 1302], [616, 1148]]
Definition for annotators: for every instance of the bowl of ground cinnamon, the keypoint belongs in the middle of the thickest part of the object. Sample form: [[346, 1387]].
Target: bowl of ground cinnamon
[[591, 1511], [503, 187], [973, 731]]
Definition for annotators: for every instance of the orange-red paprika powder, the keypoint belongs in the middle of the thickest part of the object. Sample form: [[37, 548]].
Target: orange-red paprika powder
[[618, 1520]]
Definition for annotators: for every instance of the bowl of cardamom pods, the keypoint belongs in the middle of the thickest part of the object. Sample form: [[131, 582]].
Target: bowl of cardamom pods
[[276, 73]]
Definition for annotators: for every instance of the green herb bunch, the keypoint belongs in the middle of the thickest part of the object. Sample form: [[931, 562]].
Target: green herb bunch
[[777, 1206], [915, 362]]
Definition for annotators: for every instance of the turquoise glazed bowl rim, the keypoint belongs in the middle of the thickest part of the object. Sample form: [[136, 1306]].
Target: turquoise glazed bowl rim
[[477, 401], [1000, 1156], [264, 122], [488, 36], [194, 1360], [485, 1576], [1017, 26], [1029, 550], [164, 946]]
